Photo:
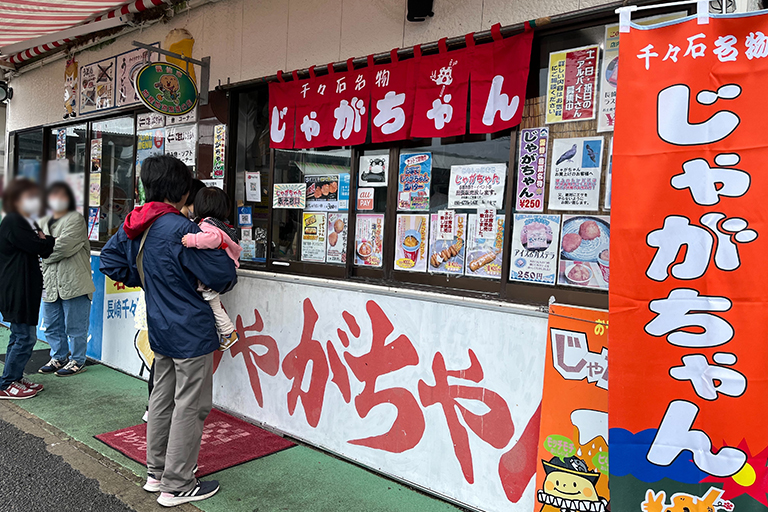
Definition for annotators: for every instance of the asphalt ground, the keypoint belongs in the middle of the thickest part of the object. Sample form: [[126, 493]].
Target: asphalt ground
[[34, 480]]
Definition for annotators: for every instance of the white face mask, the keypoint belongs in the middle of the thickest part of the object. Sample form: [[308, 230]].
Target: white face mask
[[58, 204], [30, 206]]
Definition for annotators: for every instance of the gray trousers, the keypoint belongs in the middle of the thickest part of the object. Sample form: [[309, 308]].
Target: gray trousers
[[180, 401]]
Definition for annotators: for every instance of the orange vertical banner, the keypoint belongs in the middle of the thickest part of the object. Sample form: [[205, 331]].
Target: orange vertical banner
[[689, 238], [572, 473]]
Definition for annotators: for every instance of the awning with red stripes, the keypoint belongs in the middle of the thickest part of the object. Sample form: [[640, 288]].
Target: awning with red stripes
[[23, 20]]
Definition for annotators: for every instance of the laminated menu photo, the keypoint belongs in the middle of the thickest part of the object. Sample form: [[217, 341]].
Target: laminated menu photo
[[336, 251], [369, 242], [313, 237], [584, 251], [411, 240], [447, 256], [484, 255], [534, 248]]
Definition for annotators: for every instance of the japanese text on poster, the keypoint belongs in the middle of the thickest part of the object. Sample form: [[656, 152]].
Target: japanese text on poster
[[128, 65], [289, 195], [574, 183], [313, 237], [322, 192], [369, 240], [532, 169], [337, 238], [181, 142], [447, 256], [219, 150], [572, 84], [253, 187], [484, 255], [534, 248], [413, 180], [411, 240], [97, 86], [475, 185]]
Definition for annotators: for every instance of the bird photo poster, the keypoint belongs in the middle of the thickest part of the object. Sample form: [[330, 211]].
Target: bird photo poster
[[574, 183]]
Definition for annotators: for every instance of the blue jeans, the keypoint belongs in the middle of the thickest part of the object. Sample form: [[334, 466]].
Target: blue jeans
[[20, 345], [66, 327]]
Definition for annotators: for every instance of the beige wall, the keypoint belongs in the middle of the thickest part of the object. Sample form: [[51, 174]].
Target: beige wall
[[252, 38]]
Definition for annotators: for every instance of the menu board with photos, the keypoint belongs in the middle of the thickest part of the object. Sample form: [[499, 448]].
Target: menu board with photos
[[411, 243], [447, 256], [313, 236], [337, 237], [534, 248], [484, 255]]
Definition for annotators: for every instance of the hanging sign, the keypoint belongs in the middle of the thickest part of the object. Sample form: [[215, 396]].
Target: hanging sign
[[392, 95], [219, 150], [149, 121], [572, 84], [499, 79], [442, 85], [282, 111], [574, 183], [573, 433], [476, 185], [166, 88], [687, 300], [532, 169]]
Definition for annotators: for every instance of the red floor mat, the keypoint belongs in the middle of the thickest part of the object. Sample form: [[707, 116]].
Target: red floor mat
[[227, 442]]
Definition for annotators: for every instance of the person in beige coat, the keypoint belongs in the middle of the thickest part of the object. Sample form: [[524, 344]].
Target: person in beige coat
[[68, 285]]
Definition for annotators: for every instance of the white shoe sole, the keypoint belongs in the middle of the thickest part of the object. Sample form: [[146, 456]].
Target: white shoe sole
[[151, 487], [18, 397], [175, 501]]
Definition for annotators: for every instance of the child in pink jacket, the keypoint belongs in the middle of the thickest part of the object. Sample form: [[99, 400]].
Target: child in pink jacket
[[212, 206]]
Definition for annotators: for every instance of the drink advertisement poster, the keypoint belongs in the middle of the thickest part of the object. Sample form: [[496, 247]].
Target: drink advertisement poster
[[532, 169], [289, 195], [534, 248], [411, 240], [484, 255], [337, 238], [369, 240], [574, 183], [448, 256], [572, 84], [413, 180], [322, 193], [584, 251], [477, 185], [313, 237]]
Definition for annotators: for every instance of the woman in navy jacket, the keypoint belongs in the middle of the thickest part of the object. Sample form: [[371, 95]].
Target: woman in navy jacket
[[22, 244]]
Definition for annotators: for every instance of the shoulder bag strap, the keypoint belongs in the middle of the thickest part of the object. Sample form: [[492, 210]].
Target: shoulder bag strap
[[140, 257]]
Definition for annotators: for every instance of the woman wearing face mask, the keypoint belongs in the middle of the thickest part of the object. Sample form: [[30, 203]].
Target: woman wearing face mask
[[68, 284], [22, 244]]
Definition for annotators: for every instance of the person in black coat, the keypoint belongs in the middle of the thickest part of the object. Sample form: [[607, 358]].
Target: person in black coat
[[22, 244]]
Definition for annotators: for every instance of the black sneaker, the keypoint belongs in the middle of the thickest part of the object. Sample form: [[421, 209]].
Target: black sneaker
[[72, 368], [53, 365], [202, 490]]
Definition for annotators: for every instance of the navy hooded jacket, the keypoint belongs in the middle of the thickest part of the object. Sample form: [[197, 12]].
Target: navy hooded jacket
[[180, 321]]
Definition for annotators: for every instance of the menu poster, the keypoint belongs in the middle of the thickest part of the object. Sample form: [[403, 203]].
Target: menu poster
[[535, 248], [411, 248], [608, 177], [95, 155], [344, 180], [476, 185], [322, 193], [219, 150], [93, 224], [128, 66], [181, 142], [574, 182], [94, 189], [97, 86], [531, 169], [373, 171], [584, 251], [484, 255], [149, 143], [447, 256], [61, 144], [337, 238], [369, 240], [413, 180], [289, 195], [253, 187], [572, 84], [313, 237]]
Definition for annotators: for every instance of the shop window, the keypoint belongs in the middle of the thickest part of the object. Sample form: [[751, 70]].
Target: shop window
[[68, 159], [29, 155], [320, 180], [373, 183], [111, 179]]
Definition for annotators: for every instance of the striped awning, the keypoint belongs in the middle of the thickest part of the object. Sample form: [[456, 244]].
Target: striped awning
[[24, 20]]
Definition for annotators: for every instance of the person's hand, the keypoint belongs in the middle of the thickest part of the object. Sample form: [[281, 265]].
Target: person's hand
[[184, 241], [40, 235]]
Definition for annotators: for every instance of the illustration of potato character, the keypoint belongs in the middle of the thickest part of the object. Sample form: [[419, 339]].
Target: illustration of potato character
[[70, 88], [570, 487], [681, 502], [169, 89]]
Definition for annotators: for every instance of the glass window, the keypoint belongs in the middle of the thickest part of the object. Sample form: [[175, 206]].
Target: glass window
[[111, 184], [301, 235], [67, 157], [29, 153], [252, 176]]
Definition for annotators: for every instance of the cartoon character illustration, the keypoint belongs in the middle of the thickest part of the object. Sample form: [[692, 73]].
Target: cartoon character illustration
[[684, 502], [169, 89], [570, 487], [70, 88], [141, 339]]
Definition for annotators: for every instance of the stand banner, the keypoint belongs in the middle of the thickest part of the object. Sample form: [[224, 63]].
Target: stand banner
[[687, 309]]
